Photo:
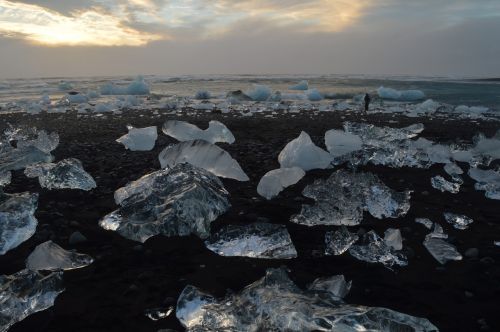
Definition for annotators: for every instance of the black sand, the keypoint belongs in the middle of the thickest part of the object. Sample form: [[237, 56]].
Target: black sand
[[128, 278]]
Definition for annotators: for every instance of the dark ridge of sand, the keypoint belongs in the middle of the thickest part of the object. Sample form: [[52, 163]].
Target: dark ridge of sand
[[128, 278]]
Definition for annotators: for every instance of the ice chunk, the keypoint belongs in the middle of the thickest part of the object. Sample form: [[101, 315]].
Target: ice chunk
[[336, 286], [453, 169], [65, 86], [159, 313], [301, 152], [26, 292], [177, 201], [275, 303], [341, 199], [488, 146], [369, 132], [66, 174], [258, 240], [139, 139], [393, 238], [314, 95], [259, 92], [487, 180], [74, 98], [340, 241], [273, 182], [458, 221], [441, 184], [205, 155], [202, 94], [184, 131], [375, 250], [49, 256], [424, 221], [407, 95], [441, 250], [340, 143], [137, 87], [17, 219], [5, 178], [302, 85]]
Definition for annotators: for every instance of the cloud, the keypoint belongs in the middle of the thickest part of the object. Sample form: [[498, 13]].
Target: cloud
[[85, 27]]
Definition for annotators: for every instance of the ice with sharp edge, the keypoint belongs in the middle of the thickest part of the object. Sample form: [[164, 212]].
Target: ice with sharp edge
[[177, 201], [275, 303], [275, 181], [205, 155], [185, 131], [340, 143], [458, 221], [393, 238], [441, 250], [487, 181], [258, 240], [49, 256], [139, 139], [303, 153], [376, 250], [335, 285], [338, 242], [441, 184]]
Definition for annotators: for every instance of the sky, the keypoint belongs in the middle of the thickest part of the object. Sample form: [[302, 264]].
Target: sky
[[43, 38]]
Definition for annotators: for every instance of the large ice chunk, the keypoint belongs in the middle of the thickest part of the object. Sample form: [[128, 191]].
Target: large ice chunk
[[17, 219], [342, 198], [441, 184], [137, 87], [338, 242], [259, 92], [375, 250], [258, 240], [66, 174], [441, 250], [26, 292], [204, 155], [487, 180], [273, 182], [302, 85], [49, 256], [458, 221], [408, 95], [275, 303], [184, 131], [176, 201], [335, 285], [339, 143], [139, 139], [303, 153]]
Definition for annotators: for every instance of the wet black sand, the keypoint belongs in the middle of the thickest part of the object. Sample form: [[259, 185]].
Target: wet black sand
[[128, 278]]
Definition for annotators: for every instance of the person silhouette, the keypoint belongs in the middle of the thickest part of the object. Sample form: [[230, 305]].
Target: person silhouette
[[367, 100]]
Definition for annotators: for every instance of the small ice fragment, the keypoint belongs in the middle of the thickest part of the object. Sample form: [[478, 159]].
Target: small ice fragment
[[340, 143], [458, 221], [66, 174], [184, 131], [302, 85], [425, 221], [17, 219], [258, 240], [441, 184], [441, 250], [204, 155], [375, 250], [338, 242], [139, 139], [26, 292], [273, 182], [177, 201], [302, 152], [393, 238], [487, 180], [49, 256], [453, 169], [496, 243], [5, 178], [202, 95], [335, 285], [159, 313]]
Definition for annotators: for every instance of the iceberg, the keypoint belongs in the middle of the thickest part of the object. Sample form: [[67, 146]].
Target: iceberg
[[48, 256], [340, 143], [342, 198], [26, 292], [458, 221], [177, 201], [486, 180], [393, 238], [273, 182], [17, 219], [376, 250], [302, 85], [403, 95], [441, 250], [338, 242], [204, 155], [139, 139], [303, 153], [275, 303], [259, 92], [258, 240], [65, 174], [441, 184], [184, 131], [137, 87]]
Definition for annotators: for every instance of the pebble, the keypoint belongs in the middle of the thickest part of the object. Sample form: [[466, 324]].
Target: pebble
[[76, 237]]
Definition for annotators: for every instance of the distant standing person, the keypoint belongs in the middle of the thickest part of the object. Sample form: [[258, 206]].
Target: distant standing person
[[367, 102]]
